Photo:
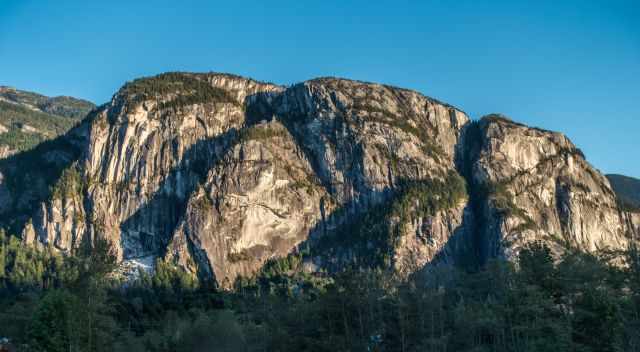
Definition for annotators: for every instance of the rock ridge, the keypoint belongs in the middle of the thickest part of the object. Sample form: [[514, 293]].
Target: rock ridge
[[220, 174]]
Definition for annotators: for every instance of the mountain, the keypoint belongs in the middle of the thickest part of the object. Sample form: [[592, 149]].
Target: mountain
[[27, 118], [219, 174], [627, 189]]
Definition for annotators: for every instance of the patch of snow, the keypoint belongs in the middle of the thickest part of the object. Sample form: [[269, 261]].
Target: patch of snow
[[131, 268]]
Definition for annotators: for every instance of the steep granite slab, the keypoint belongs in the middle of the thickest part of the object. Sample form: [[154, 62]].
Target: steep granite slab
[[534, 185], [260, 201], [219, 174], [364, 138], [368, 143], [147, 151]]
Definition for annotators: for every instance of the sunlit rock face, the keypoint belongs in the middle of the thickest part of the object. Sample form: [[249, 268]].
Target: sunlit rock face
[[218, 174], [258, 202], [323, 152], [633, 221], [534, 184], [147, 151]]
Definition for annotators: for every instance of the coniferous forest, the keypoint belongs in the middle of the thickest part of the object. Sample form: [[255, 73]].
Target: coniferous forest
[[577, 302]]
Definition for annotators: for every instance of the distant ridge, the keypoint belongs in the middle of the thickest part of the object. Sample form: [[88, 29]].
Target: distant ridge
[[28, 118], [628, 190]]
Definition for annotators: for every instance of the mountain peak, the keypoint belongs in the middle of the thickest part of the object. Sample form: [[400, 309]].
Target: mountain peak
[[221, 173]]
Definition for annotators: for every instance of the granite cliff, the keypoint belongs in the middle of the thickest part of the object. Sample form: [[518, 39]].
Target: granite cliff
[[219, 174]]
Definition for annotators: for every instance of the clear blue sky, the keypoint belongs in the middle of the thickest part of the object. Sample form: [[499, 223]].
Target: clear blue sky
[[571, 66]]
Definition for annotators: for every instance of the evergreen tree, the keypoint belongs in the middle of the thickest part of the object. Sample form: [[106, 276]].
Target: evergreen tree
[[54, 327]]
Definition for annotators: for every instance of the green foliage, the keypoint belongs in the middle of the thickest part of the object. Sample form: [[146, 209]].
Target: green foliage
[[239, 256], [426, 197], [52, 327], [577, 302], [184, 89], [18, 140], [197, 330], [61, 106], [27, 268], [429, 147], [171, 278], [502, 200], [369, 239], [258, 132], [15, 118], [54, 117], [538, 305], [72, 321], [67, 107], [499, 118], [70, 184], [628, 206], [203, 202], [284, 276], [504, 120], [24, 267], [58, 302]]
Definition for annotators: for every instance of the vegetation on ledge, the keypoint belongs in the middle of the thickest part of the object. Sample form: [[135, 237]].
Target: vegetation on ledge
[[368, 240], [182, 88], [27, 128], [61, 106]]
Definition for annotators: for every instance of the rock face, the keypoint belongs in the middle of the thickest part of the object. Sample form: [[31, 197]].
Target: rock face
[[26, 178], [218, 174], [148, 150], [5, 150], [532, 184], [259, 201], [634, 222]]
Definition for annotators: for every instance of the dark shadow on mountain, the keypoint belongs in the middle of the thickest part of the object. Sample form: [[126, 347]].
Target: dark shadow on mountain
[[349, 161], [368, 240], [359, 235], [467, 154], [149, 229], [30, 175], [345, 240]]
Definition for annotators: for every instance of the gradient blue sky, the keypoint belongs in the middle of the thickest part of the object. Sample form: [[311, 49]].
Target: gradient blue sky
[[571, 66]]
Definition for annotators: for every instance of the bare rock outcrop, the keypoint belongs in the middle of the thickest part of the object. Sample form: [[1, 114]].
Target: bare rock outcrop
[[259, 201], [219, 174], [147, 151], [532, 184]]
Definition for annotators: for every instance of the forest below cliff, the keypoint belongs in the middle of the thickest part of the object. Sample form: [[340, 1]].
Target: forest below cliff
[[579, 302]]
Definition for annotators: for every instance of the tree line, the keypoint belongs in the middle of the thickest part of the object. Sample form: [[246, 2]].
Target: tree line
[[575, 302]]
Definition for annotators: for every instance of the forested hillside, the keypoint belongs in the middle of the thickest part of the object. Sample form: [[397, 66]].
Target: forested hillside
[[581, 302], [628, 190], [27, 118]]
